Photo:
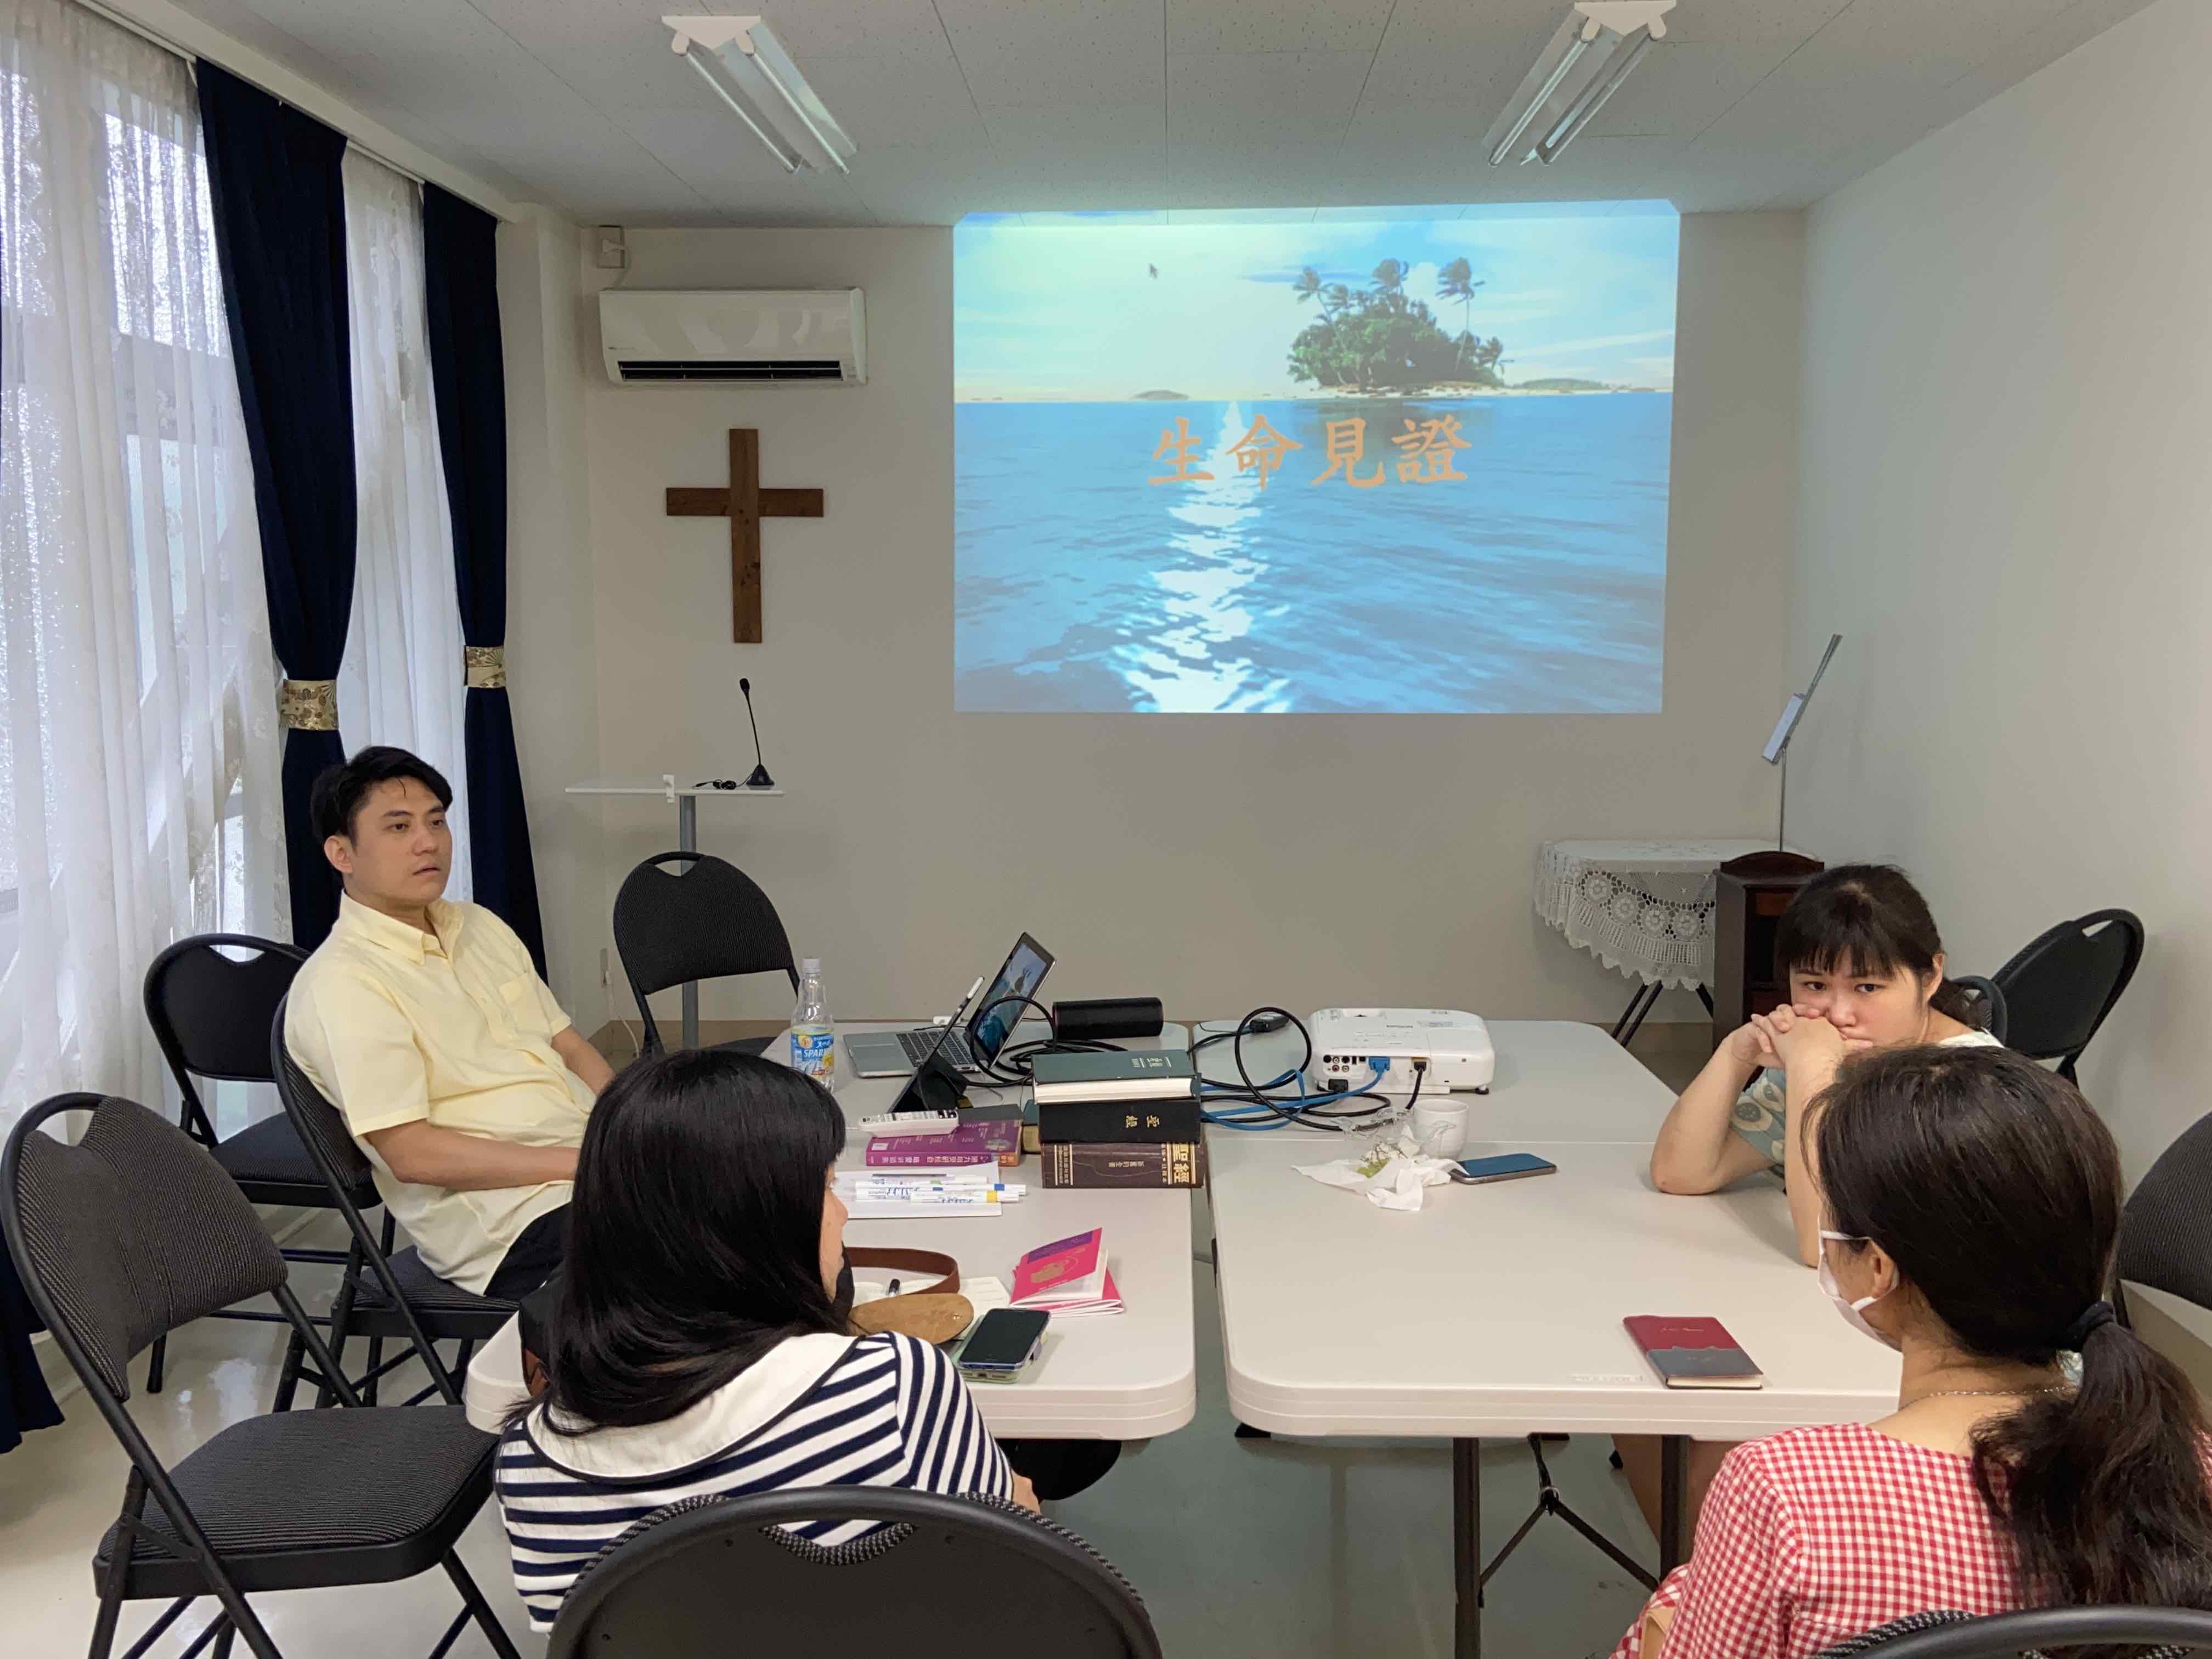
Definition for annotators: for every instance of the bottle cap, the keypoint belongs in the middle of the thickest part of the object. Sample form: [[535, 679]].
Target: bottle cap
[[809, 965]]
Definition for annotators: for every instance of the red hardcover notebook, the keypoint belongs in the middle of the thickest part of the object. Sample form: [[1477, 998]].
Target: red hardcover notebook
[[1692, 1353]]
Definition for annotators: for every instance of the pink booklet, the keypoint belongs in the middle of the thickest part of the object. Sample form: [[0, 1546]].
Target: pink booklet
[[1067, 1277]]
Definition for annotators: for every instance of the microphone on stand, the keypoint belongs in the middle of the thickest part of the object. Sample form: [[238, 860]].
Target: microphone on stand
[[760, 779]]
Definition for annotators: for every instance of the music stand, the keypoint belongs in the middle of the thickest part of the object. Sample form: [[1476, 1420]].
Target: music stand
[[1777, 752]]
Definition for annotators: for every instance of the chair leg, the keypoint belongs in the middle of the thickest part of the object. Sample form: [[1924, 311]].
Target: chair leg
[[288, 1378], [376, 1343], [461, 1359], [494, 1633], [340, 1317], [153, 1366]]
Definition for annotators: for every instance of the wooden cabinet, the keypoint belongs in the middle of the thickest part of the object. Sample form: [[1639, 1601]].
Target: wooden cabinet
[[1754, 892]]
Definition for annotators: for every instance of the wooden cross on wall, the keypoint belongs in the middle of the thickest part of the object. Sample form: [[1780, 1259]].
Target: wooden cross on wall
[[744, 503]]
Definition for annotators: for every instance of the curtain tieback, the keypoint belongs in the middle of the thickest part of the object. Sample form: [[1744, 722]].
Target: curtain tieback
[[308, 705], [484, 666]]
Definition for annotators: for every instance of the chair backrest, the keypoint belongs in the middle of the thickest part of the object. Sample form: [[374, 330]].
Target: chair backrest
[[210, 1011], [2010, 1635], [1989, 1000], [2060, 986], [678, 1584], [705, 919], [346, 1169], [127, 1235], [322, 1128], [2166, 1231]]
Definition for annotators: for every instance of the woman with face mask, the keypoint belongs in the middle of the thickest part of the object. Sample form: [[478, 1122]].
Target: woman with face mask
[[1865, 969], [1972, 1208]]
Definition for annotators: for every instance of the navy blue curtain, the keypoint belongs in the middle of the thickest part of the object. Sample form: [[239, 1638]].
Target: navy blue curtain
[[25, 1402], [280, 235], [461, 292]]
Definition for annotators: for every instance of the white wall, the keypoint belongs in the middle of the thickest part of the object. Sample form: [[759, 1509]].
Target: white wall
[[2005, 508], [1194, 858], [552, 654]]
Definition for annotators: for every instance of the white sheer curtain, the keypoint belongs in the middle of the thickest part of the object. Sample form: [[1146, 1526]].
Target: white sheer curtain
[[139, 743], [401, 681]]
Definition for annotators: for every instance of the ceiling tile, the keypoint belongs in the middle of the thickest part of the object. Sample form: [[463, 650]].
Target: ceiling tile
[[1680, 90], [1043, 105], [1017, 131], [1245, 98], [914, 97], [1276, 25], [1778, 22], [1046, 53], [1434, 51]]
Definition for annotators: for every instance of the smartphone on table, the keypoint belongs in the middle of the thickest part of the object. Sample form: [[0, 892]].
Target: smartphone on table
[[1003, 1344], [1506, 1166]]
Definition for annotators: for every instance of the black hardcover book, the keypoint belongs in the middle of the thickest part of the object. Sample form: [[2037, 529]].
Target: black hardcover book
[[1062, 1121]]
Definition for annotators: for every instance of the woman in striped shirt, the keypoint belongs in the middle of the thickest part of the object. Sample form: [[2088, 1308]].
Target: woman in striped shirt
[[701, 1347]]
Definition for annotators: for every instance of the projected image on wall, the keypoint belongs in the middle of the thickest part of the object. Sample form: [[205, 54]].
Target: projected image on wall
[[1328, 465]]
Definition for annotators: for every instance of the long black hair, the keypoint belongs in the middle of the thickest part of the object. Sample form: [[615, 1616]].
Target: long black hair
[[693, 1236], [1867, 918], [1996, 1188]]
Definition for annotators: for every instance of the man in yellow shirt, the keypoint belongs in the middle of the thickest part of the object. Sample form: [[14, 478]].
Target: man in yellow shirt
[[426, 1023]]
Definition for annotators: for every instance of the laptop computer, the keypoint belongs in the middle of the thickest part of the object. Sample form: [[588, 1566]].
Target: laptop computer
[[967, 1048]]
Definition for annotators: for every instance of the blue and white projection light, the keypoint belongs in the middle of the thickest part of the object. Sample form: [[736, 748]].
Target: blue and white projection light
[[1323, 465]]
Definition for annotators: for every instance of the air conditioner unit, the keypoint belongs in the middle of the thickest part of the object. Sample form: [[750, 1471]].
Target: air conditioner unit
[[767, 337]]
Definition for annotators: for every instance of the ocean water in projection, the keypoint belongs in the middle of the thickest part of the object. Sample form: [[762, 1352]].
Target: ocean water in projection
[[1296, 467]]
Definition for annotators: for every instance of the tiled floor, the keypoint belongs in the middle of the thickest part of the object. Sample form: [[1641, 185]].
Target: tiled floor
[[1291, 1550]]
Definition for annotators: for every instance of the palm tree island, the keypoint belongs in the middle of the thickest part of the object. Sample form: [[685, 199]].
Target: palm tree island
[[1377, 339]]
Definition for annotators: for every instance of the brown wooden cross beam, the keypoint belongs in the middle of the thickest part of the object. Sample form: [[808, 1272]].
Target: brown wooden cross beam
[[744, 503]]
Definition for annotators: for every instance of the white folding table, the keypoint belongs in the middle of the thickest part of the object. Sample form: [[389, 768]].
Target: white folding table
[[1131, 1375], [684, 797], [1125, 1377], [1496, 1311]]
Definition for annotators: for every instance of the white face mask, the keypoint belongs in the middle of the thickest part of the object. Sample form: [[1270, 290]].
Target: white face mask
[[1852, 1311]]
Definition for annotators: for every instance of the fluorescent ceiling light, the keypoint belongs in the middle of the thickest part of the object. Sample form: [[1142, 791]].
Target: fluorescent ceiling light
[[747, 66], [1592, 53]]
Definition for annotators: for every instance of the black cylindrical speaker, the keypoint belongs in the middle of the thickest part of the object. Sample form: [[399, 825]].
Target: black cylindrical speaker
[[1102, 1018]]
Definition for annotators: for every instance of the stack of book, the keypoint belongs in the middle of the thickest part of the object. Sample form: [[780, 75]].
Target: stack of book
[[985, 1133], [1068, 1279], [1119, 1120]]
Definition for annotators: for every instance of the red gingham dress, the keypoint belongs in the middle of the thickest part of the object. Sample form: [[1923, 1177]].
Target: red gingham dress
[[1817, 1534]]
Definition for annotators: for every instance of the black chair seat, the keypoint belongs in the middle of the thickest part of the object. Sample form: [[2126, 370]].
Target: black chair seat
[[272, 1166], [391, 1490], [444, 1309]]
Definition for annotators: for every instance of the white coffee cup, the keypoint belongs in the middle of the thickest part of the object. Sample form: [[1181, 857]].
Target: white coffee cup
[[1440, 1127]]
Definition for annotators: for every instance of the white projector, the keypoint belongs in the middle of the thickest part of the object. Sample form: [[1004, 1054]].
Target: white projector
[[1454, 1046]]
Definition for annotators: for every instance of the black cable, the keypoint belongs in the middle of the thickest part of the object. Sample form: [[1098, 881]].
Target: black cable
[[1298, 1109], [1009, 1068]]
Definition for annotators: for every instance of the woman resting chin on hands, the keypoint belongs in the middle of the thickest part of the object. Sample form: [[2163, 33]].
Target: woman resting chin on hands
[[1865, 969]]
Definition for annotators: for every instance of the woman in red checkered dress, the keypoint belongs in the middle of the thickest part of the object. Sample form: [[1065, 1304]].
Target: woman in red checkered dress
[[1972, 1202]]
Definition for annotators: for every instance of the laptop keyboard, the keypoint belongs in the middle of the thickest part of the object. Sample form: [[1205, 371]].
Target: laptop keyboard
[[953, 1048]]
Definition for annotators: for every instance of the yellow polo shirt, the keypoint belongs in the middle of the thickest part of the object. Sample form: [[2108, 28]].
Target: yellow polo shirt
[[396, 1026]]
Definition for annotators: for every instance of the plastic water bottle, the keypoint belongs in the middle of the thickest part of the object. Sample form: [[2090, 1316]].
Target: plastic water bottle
[[813, 1036]]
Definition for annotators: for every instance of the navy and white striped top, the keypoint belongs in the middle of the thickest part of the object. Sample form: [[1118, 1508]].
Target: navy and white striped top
[[816, 1411]]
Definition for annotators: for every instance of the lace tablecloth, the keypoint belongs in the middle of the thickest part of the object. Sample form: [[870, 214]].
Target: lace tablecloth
[[1643, 907]]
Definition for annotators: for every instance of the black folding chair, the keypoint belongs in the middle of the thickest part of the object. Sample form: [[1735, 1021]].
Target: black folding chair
[[386, 1295], [211, 1014], [678, 1584], [2166, 1230], [128, 1234], [2061, 984], [1988, 1003], [708, 920], [2029, 1635]]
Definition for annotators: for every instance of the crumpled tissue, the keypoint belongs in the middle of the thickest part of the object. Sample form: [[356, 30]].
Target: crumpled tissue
[[1393, 1173]]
